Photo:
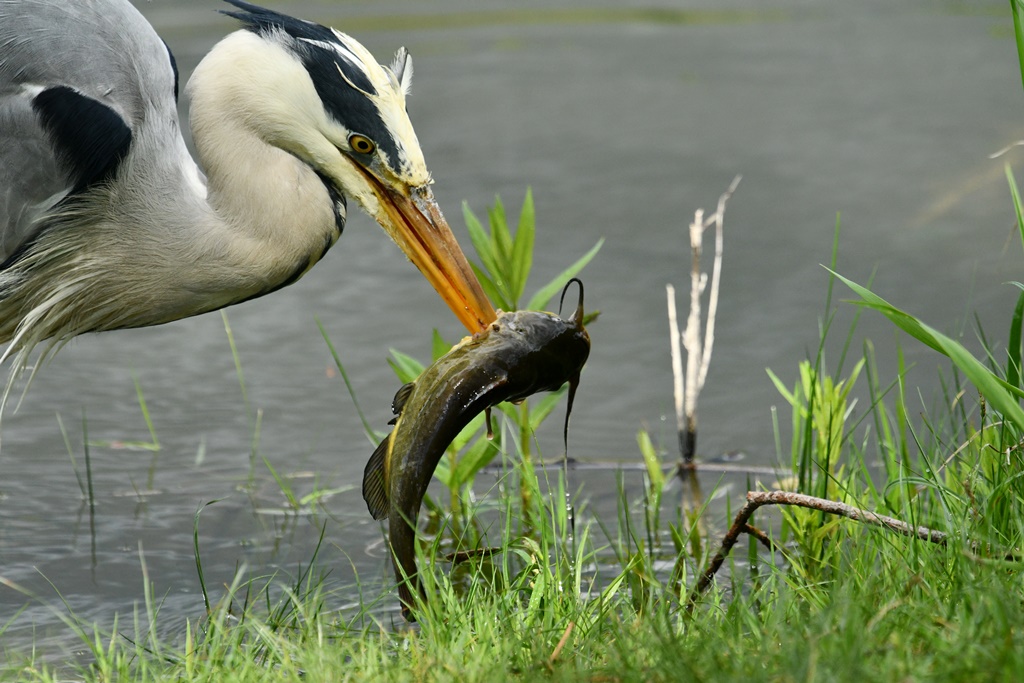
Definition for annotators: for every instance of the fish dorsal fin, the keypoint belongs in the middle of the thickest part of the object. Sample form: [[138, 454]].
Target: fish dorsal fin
[[401, 396], [375, 489]]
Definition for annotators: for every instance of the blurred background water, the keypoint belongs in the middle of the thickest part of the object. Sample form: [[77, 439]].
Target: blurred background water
[[623, 117]]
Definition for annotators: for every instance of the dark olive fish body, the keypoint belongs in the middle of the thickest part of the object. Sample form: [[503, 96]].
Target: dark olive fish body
[[520, 354]]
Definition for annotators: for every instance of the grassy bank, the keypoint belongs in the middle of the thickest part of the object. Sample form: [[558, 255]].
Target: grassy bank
[[834, 599], [565, 596]]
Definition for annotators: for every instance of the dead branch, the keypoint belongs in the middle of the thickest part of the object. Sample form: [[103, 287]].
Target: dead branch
[[756, 499], [688, 385]]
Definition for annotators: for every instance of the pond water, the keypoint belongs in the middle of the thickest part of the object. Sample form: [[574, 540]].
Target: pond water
[[624, 118]]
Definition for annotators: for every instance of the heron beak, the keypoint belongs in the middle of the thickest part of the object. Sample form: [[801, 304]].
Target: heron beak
[[415, 222]]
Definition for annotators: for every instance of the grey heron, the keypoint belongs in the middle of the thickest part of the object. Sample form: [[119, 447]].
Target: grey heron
[[106, 222]]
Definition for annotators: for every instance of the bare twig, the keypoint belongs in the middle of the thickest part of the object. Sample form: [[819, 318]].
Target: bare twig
[[691, 335], [718, 220], [677, 366], [698, 351], [756, 499], [762, 538], [561, 643]]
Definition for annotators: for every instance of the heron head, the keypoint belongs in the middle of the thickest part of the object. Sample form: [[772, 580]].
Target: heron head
[[320, 95]]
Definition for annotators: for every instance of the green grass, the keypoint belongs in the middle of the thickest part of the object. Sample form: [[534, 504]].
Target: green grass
[[568, 597]]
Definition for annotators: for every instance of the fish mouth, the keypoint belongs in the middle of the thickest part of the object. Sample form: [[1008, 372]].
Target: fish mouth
[[412, 218]]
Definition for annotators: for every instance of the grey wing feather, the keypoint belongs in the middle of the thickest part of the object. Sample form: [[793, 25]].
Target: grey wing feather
[[104, 51]]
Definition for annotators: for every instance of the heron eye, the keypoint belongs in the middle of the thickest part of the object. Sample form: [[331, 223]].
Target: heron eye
[[361, 144]]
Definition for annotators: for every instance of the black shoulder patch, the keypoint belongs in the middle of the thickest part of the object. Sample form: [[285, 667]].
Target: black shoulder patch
[[90, 138], [174, 67]]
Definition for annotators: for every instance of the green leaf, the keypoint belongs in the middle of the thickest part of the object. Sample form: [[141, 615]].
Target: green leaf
[[511, 411], [1015, 193], [522, 248], [477, 236], [443, 472], [542, 298], [1013, 351], [466, 435], [999, 393], [1018, 32], [782, 388], [481, 241], [405, 366], [439, 346], [651, 460], [501, 238], [493, 291], [474, 459], [540, 410]]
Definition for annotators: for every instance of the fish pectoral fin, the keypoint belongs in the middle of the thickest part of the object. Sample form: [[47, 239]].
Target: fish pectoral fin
[[375, 489], [401, 396]]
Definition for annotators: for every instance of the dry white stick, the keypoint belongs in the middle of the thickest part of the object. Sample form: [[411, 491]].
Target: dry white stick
[[677, 360], [718, 219], [691, 335]]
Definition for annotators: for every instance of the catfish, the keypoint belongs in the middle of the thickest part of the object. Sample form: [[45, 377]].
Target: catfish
[[521, 353]]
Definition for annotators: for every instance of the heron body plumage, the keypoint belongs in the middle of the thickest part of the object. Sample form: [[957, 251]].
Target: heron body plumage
[[106, 221]]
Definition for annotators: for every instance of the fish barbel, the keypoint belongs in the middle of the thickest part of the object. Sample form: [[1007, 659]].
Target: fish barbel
[[521, 353]]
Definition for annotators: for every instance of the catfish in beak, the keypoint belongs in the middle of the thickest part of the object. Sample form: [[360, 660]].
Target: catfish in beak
[[521, 353]]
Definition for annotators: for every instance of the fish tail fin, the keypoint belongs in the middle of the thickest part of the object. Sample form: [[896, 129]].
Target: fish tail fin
[[375, 490]]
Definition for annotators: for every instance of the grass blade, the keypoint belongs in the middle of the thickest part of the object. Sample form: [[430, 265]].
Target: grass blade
[[1018, 33], [1000, 394], [370, 434]]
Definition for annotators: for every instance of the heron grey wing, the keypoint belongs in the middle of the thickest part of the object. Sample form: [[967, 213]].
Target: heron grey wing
[[76, 79]]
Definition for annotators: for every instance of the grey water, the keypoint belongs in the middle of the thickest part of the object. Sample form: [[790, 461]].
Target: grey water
[[623, 118]]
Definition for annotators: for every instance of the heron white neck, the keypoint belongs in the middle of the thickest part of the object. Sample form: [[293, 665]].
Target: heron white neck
[[274, 215]]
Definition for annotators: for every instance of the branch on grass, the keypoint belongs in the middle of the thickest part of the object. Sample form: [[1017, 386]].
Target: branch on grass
[[756, 499]]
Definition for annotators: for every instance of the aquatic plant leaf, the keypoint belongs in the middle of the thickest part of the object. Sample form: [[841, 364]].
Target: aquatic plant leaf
[[476, 457], [1018, 32], [542, 298], [790, 396], [405, 366], [1015, 194], [1000, 394], [501, 237], [651, 460], [443, 473], [438, 345], [543, 407], [467, 433], [522, 247], [492, 289], [481, 241], [1013, 349]]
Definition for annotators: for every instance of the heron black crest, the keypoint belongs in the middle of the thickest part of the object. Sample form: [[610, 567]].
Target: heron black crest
[[310, 38], [336, 64]]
